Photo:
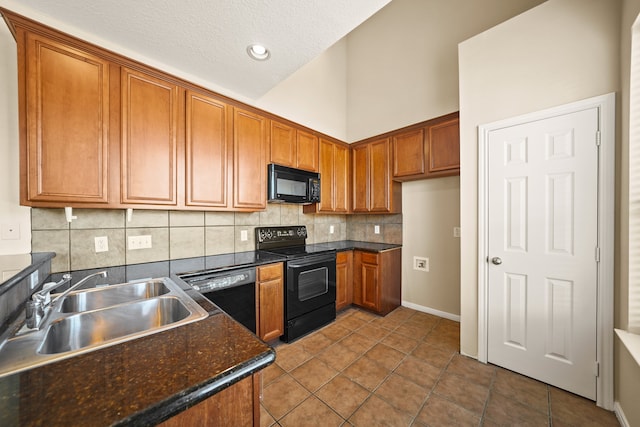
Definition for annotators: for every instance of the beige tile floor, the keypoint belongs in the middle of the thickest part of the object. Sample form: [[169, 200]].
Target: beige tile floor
[[405, 369]]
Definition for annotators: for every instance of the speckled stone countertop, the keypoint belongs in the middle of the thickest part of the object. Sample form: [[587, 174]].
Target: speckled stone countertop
[[139, 382], [349, 245], [150, 379]]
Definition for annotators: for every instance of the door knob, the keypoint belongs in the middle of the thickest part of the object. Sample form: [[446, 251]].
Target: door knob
[[496, 260]]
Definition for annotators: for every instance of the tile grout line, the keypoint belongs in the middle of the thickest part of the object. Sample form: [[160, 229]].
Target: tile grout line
[[550, 415], [486, 403], [389, 374], [351, 331]]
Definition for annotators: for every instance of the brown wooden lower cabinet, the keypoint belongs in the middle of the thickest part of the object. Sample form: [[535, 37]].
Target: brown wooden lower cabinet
[[377, 280], [270, 302], [344, 279], [235, 406]]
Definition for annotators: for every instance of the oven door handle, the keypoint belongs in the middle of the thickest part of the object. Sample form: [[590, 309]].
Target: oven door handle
[[310, 260]]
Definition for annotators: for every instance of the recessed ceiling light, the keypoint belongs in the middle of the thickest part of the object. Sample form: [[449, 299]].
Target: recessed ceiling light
[[258, 52]]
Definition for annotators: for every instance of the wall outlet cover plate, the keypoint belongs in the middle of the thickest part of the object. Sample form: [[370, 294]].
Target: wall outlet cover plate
[[420, 263], [102, 244]]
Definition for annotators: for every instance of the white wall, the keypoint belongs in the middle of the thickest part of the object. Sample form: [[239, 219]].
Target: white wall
[[403, 69], [315, 95], [559, 52], [403, 64], [11, 214], [627, 371], [430, 211]]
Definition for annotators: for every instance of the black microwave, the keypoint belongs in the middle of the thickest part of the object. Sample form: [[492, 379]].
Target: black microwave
[[289, 185]]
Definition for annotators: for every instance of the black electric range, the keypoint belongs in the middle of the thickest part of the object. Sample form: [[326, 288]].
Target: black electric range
[[310, 278]]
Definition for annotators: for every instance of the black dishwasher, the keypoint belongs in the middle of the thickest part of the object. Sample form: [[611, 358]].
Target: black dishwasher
[[234, 291]]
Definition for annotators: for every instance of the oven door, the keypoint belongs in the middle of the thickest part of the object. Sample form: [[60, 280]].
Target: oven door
[[311, 284]]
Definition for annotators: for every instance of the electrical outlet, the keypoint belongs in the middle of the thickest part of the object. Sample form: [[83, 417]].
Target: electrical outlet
[[139, 242], [420, 263], [243, 236], [102, 244], [376, 229], [331, 229], [456, 231]]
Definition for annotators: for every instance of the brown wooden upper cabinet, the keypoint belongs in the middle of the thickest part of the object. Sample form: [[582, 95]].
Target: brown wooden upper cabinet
[[64, 108], [334, 179], [250, 143], [293, 147], [373, 187], [428, 149], [444, 147], [408, 153], [207, 151], [149, 114]]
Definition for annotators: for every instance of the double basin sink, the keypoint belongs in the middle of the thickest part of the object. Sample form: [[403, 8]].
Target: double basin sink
[[87, 320]]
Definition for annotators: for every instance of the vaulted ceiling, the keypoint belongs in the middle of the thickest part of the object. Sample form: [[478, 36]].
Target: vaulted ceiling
[[207, 39]]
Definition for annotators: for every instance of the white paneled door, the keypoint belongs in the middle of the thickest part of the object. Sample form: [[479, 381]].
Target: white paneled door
[[543, 239]]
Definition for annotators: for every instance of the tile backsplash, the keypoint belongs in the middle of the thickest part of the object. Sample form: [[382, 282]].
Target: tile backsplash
[[185, 234]]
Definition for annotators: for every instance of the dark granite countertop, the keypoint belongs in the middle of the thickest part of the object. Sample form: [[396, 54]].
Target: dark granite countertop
[[31, 263], [349, 245], [150, 379], [138, 382]]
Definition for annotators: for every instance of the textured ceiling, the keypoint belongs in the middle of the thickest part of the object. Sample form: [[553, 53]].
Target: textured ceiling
[[208, 38]]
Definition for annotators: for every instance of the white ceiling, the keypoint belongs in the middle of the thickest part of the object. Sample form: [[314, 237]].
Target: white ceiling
[[207, 39]]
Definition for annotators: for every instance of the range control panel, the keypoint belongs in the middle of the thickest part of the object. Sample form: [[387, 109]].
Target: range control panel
[[291, 235]]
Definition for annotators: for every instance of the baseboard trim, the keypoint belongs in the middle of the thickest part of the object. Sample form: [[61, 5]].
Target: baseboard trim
[[454, 317], [617, 409]]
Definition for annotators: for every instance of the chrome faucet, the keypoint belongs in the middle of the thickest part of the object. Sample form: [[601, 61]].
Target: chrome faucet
[[41, 301]]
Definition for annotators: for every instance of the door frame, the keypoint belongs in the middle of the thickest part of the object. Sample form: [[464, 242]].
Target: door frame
[[606, 221]]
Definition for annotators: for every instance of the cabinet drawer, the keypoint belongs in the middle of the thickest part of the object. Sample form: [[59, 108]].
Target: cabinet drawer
[[342, 257], [370, 258], [270, 272]]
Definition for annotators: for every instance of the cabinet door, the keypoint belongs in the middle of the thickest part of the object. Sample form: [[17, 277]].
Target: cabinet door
[[207, 150], [283, 144], [327, 176], [408, 153], [360, 160], [369, 282], [306, 151], [379, 176], [249, 160], [366, 280], [444, 146], [344, 279], [270, 302], [341, 179], [149, 139], [67, 119], [234, 406]]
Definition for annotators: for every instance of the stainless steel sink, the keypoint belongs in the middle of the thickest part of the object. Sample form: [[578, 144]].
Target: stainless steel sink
[[88, 320], [108, 296], [96, 327]]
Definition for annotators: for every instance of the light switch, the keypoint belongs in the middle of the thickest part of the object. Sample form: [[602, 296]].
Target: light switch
[[243, 235], [376, 229], [139, 242]]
